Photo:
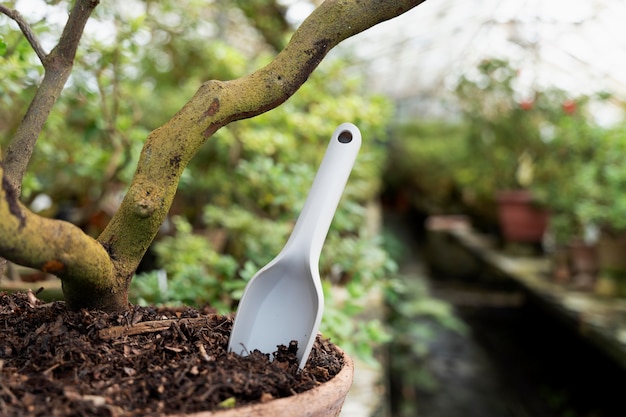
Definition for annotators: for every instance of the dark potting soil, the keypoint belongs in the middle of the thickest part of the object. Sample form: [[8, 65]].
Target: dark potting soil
[[143, 362]]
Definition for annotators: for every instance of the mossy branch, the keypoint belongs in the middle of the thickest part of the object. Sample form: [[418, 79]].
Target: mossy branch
[[57, 247]]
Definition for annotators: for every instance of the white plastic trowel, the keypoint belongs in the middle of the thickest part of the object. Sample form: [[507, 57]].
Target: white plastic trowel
[[284, 301]]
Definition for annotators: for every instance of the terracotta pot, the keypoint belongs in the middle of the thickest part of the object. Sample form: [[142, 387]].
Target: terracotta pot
[[325, 400], [520, 220]]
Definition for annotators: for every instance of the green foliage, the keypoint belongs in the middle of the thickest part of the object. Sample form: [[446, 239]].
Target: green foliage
[[251, 238], [423, 157], [543, 140], [531, 140], [365, 270], [195, 273], [19, 79], [502, 131], [574, 145], [504, 140], [601, 181], [343, 322]]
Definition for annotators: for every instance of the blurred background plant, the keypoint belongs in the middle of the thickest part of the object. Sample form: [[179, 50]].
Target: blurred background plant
[[542, 140], [422, 158], [500, 128], [602, 181], [546, 141]]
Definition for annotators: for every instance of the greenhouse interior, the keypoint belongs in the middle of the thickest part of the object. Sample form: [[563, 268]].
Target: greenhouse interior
[[165, 163]]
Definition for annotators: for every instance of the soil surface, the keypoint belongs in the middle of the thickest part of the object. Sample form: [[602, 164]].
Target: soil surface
[[143, 362]]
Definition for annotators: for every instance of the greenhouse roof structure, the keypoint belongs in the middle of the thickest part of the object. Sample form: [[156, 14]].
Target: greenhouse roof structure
[[575, 45]]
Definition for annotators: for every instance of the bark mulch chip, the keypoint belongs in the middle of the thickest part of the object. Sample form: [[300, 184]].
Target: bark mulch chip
[[143, 362]]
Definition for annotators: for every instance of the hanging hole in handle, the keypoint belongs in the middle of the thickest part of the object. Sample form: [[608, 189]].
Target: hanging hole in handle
[[345, 136]]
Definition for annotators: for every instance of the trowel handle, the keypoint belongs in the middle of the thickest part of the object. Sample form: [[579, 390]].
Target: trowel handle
[[319, 209]]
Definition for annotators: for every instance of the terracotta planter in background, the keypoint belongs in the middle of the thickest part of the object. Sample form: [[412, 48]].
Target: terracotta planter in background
[[521, 221], [325, 400]]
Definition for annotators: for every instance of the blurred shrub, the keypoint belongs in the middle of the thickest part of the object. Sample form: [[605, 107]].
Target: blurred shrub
[[424, 158]]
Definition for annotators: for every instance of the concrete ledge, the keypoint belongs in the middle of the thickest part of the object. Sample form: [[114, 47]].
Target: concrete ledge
[[367, 397], [601, 320]]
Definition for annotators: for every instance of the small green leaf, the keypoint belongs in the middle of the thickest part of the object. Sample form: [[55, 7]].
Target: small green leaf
[[3, 47], [227, 403]]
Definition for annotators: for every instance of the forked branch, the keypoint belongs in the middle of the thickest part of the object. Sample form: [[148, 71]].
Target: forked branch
[[26, 30]]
